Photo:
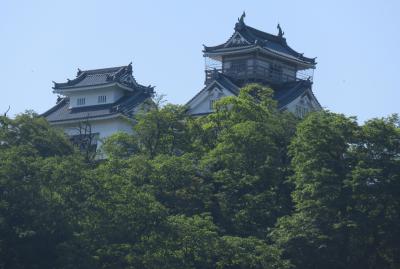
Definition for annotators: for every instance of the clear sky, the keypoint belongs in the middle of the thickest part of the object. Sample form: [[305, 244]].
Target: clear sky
[[357, 45]]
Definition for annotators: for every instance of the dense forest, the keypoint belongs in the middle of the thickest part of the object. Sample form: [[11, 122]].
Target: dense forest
[[245, 187]]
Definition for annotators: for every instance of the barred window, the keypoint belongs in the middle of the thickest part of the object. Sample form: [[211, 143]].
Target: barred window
[[212, 104], [238, 66], [301, 111], [80, 101], [102, 99]]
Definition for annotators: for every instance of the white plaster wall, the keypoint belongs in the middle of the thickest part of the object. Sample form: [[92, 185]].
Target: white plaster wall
[[117, 94], [201, 104], [304, 102], [291, 107], [104, 128], [91, 96]]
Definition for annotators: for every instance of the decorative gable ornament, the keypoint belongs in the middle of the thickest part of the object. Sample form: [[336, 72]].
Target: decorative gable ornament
[[237, 40], [127, 80]]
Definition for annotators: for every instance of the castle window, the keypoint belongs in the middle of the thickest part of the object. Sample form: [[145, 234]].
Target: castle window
[[102, 99], [212, 103], [301, 111], [276, 72], [238, 66], [80, 101]]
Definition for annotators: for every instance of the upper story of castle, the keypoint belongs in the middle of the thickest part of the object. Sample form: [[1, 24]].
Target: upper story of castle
[[251, 55]]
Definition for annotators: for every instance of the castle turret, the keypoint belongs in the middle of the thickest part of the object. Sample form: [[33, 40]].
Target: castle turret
[[97, 103], [251, 55]]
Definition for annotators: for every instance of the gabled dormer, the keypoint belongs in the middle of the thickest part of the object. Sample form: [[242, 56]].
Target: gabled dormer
[[251, 55]]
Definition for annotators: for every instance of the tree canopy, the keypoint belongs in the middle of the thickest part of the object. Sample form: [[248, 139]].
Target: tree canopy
[[248, 186]]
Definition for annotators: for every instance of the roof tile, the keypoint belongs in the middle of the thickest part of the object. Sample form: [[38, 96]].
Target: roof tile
[[97, 77]]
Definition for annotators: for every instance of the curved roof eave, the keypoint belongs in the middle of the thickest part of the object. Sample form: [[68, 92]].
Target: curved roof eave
[[251, 48], [92, 118], [93, 87]]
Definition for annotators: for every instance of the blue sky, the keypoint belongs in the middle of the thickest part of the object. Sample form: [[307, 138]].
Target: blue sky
[[357, 45]]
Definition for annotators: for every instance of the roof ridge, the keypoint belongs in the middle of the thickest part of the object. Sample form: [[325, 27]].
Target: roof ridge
[[276, 44], [103, 70], [93, 77], [265, 34], [280, 40], [55, 107]]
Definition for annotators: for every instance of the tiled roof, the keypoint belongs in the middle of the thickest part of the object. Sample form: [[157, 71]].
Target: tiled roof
[[256, 38], [223, 80], [97, 77], [287, 92], [284, 93], [126, 105]]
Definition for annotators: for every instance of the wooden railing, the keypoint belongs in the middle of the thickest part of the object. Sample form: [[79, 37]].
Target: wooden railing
[[257, 72]]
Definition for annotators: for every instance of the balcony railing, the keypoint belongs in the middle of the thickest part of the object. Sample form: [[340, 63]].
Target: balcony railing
[[260, 73]]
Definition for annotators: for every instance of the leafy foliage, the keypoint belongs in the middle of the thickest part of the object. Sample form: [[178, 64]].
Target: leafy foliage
[[346, 180], [248, 186]]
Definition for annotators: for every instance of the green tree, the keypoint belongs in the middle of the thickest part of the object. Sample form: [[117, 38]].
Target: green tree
[[120, 145], [249, 253], [321, 164], [248, 186], [179, 185], [38, 168], [117, 216], [346, 180], [375, 186], [248, 162], [185, 242], [33, 131], [162, 130]]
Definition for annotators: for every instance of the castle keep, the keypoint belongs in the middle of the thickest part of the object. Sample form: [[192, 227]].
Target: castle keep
[[102, 99]]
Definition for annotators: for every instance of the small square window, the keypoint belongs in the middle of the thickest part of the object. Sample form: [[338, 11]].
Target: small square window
[[80, 101], [102, 99]]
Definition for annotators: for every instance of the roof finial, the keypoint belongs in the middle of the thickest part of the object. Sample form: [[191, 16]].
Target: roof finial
[[241, 19], [129, 67], [280, 33], [240, 24], [79, 72]]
